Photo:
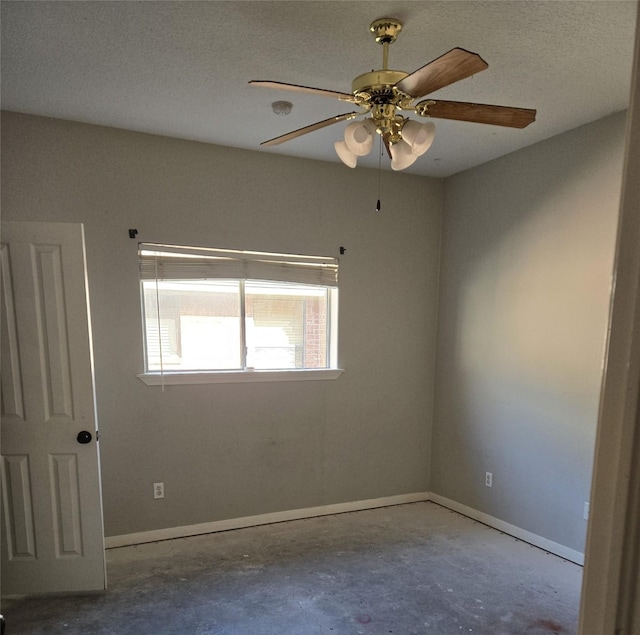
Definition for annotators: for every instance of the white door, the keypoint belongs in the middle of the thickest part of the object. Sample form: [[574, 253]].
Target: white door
[[52, 531]]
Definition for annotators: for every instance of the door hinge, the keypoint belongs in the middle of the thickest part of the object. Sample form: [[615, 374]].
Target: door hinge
[[97, 435]]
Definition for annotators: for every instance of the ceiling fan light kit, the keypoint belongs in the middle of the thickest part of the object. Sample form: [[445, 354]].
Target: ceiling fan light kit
[[383, 94], [402, 155], [358, 136], [346, 156], [418, 135]]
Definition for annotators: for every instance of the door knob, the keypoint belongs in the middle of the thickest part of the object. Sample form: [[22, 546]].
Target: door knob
[[84, 437]]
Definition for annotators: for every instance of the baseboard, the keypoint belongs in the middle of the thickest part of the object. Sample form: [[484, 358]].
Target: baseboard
[[262, 519], [142, 537], [512, 530]]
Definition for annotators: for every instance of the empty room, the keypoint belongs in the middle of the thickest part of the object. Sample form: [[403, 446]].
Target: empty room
[[317, 317]]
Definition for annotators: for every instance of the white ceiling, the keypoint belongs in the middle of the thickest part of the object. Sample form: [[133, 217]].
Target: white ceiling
[[181, 68]]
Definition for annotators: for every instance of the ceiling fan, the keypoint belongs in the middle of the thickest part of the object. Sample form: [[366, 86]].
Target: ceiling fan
[[382, 94]]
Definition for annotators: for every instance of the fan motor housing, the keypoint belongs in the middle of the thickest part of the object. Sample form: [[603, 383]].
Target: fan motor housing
[[376, 81]]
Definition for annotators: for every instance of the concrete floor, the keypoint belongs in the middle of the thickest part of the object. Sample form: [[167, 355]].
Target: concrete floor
[[409, 569]]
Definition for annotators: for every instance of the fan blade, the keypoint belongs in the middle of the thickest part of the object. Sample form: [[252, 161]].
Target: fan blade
[[451, 67], [314, 126], [304, 89], [477, 113]]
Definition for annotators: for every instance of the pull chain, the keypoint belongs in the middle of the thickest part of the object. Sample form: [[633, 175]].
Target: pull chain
[[379, 173]]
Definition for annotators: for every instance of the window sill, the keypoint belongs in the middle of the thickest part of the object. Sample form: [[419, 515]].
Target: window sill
[[239, 376]]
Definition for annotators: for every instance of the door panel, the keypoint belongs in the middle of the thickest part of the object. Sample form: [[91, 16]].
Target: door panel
[[53, 538], [51, 314], [20, 528], [12, 398]]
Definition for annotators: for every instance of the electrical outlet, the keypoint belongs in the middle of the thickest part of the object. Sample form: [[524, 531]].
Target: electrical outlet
[[585, 511], [488, 479], [158, 490]]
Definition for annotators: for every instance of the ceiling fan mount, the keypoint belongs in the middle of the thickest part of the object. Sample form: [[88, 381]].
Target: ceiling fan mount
[[377, 91], [385, 30], [383, 94]]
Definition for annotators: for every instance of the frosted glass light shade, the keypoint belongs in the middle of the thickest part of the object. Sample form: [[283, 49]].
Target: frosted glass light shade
[[345, 155], [418, 135], [401, 155], [358, 136]]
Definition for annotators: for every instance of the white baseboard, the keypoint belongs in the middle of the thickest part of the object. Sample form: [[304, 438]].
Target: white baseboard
[[339, 508], [512, 530], [262, 519]]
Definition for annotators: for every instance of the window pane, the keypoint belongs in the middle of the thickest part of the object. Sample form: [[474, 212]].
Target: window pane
[[198, 327], [286, 325]]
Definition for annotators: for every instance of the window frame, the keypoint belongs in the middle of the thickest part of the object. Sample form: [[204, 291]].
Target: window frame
[[245, 374]]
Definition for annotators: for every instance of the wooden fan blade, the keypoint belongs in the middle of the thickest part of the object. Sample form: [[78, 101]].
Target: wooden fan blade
[[477, 113], [304, 89], [451, 67], [314, 126]]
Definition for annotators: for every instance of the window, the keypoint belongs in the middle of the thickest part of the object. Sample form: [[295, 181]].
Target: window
[[212, 311]]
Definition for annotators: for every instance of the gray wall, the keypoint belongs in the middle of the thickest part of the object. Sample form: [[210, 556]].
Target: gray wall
[[226, 451], [527, 260], [527, 256]]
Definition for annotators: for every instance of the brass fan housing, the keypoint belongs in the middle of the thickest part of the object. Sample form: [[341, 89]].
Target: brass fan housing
[[386, 30], [377, 82], [376, 91]]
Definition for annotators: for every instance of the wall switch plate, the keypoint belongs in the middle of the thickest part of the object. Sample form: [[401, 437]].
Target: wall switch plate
[[585, 511], [488, 479], [158, 490]]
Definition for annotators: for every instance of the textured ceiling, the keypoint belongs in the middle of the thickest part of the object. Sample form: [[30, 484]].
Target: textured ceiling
[[181, 68]]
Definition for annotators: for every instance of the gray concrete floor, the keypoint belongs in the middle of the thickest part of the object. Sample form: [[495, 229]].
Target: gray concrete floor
[[409, 569]]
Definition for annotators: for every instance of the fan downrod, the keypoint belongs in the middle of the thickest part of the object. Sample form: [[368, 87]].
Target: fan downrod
[[376, 90]]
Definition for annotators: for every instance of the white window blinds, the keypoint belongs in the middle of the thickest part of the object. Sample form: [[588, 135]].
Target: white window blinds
[[170, 262]]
